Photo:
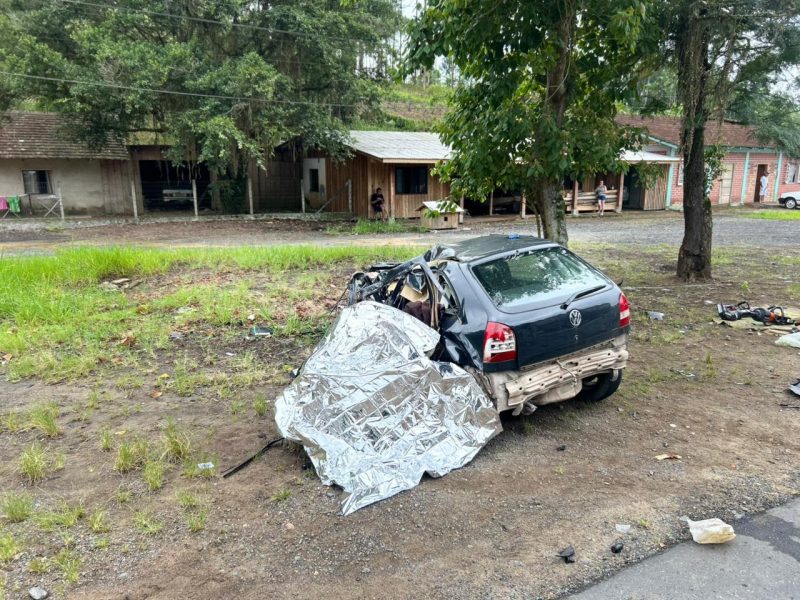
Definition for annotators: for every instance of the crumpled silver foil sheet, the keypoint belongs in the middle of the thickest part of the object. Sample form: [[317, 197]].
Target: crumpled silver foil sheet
[[374, 413]]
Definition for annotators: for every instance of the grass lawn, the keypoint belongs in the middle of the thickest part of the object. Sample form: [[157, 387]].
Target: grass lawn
[[773, 215], [58, 323]]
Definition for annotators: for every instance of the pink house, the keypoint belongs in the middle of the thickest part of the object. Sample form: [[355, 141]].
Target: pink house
[[747, 158]]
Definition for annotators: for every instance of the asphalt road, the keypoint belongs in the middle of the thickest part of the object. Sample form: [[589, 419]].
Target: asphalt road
[[762, 563]]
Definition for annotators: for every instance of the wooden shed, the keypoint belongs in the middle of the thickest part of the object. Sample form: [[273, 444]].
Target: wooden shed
[[398, 162]]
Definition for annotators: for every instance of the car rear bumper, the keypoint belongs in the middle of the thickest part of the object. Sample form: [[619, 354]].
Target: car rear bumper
[[556, 380]]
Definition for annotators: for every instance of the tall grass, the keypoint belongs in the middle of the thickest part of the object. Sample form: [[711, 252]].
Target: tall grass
[[58, 323]]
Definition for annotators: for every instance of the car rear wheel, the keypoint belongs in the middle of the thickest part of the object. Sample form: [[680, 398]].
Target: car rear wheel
[[599, 387], [791, 203]]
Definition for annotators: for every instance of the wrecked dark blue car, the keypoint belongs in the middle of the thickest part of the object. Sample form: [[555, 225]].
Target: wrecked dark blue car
[[534, 323]]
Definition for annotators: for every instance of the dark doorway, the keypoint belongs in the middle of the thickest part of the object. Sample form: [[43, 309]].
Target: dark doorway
[[762, 170], [633, 192], [169, 187]]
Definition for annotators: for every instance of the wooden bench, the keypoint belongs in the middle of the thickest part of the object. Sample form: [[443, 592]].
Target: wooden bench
[[586, 201]]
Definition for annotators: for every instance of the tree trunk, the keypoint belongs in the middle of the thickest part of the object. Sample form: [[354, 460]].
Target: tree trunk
[[549, 203], [546, 194], [694, 257]]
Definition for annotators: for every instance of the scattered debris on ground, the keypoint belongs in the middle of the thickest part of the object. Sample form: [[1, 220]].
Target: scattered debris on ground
[[568, 554], [774, 316], [710, 531], [668, 457], [791, 340]]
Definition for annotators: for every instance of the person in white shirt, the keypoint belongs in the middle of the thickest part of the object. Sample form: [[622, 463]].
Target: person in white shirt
[[762, 191]]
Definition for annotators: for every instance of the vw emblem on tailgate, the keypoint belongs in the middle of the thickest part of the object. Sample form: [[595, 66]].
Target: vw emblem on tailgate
[[575, 317]]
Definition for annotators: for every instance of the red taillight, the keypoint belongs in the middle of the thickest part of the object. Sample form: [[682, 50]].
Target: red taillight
[[624, 311], [499, 343]]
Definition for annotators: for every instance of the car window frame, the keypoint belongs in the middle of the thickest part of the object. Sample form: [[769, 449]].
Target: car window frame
[[545, 302]]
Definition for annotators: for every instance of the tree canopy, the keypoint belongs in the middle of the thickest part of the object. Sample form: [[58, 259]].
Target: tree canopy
[[221, 81], [539, 88]]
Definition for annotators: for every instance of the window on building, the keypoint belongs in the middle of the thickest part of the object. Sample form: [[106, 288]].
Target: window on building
[[313, 180], [36, 182], [792, 174], [680, 173], [411, 180]]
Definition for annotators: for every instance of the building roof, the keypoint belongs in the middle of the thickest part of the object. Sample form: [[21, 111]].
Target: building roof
[[43, 135], [727, 133], [400, 146], [640, 156]]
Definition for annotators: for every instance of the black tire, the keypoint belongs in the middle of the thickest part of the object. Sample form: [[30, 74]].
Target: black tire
[[791, 203], [599, 387]]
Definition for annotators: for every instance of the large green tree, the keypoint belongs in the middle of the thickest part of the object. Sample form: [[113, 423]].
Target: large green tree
[[222, 81], [540, 83], [721, 50]]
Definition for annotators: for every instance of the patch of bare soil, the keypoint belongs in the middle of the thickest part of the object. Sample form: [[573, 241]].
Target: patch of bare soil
[[565, 475], [201, 232]]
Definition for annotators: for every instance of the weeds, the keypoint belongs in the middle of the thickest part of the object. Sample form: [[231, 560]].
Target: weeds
[[178, 446], [102, 543], [367, 227], [65, 518], [153, 474], [260, 405], [131, 455], [196, 521], [93, 401], [106, 441], [146, 522], [34, 463], [14, 422], [98, 522], [236, 406], [43, 418], [281, 496], [187, 499], [123, 496], [70, 564], [17, 507], [9, 547], [38, 566], [130, 381]]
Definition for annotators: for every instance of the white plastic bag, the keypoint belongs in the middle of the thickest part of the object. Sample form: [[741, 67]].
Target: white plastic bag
[[791, 340], [711, 531]]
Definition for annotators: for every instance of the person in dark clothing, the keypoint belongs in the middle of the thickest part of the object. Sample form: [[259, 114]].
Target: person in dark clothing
[[376, 201]]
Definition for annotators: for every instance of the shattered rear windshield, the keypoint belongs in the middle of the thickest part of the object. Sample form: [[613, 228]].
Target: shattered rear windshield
[[524, 278]]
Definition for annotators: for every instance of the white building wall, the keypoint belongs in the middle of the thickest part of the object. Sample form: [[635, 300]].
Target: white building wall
[[80, 181]]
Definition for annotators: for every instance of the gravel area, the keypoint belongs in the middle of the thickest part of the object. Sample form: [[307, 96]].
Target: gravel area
[[645, 229]]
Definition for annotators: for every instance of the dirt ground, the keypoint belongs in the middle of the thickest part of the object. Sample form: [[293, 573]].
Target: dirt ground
[[705, 392]]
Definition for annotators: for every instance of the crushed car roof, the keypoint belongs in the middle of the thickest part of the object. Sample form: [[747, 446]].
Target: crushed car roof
[[487, 245]]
